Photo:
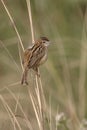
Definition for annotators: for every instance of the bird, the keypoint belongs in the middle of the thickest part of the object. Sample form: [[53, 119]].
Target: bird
[[34, 56]]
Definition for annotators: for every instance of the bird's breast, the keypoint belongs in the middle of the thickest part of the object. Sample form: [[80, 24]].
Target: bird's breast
[[43, 59]]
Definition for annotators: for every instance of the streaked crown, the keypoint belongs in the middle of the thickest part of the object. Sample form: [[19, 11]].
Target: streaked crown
[[45, 40]]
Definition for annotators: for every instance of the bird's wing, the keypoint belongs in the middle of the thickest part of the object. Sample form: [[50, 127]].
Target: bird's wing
[[38, 51], [26, 59]]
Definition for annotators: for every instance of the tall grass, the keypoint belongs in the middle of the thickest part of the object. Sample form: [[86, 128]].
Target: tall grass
[[36, 106], [63, 105]]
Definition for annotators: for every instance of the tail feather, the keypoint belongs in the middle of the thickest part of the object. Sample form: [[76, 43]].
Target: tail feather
[[22, 80], [24, 77]]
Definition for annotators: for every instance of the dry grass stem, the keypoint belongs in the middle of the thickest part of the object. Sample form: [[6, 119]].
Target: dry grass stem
[[38, 96], [42, 94], [20, 57], [39, 119], [36, 113], [83, 67], [12, 21], [19, 105], [9, 114], [50, 113], [30, 18], [9, 109], [9, 54]]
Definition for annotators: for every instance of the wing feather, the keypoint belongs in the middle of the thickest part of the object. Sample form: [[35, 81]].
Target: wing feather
[[37, 54]]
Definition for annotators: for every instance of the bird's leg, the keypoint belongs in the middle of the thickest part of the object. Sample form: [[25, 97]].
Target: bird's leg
[[37, 71], [26, 74], [24, 77]]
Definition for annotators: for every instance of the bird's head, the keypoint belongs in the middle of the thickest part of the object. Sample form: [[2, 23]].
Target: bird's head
[[45, 41]]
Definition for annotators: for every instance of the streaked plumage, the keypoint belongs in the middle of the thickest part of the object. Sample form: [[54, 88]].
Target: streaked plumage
[[34, 56]]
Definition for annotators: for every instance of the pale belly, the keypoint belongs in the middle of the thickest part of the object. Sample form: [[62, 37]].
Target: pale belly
[[43, 59]]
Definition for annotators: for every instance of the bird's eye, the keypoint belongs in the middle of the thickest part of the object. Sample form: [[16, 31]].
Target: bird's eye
[[43, 41]]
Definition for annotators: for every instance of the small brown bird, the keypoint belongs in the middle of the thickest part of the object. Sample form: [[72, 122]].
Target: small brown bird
[[35, 56]]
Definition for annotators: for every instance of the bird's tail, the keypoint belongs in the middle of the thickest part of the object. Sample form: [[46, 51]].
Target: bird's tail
[[24, 77]]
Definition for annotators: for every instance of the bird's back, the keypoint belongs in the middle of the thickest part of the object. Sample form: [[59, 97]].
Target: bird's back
[[33, 56]]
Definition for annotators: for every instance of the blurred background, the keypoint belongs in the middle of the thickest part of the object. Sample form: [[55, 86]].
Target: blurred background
[[64, 75]]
